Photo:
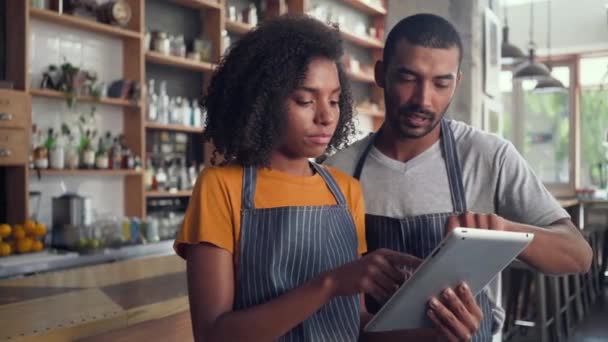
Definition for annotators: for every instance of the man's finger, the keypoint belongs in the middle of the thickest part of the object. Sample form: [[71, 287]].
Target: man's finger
[[483, 221], [439, 324], [467, 298], [455, 304], [468, 219], [448, 318], [496, 222]]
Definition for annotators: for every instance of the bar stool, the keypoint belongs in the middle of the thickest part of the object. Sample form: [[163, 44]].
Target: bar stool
[[533, 305]]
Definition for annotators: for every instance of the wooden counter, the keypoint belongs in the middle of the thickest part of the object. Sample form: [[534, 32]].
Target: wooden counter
[[83, 302]]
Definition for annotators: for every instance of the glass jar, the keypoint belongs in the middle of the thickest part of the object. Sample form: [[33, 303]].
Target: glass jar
[[161, 43]]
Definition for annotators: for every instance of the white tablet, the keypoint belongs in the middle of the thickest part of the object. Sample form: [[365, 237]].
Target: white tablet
[[474, 256]]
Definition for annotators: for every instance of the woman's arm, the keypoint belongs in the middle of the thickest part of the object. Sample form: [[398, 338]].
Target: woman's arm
[[211, 287]]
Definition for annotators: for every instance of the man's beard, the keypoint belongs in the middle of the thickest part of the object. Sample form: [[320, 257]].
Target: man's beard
[[415, 122]]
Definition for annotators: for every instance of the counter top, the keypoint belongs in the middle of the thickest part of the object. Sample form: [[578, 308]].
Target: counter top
[[17, 265], [87, 301]]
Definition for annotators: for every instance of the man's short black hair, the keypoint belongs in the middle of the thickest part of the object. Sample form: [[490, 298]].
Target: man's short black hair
[[427, 30]]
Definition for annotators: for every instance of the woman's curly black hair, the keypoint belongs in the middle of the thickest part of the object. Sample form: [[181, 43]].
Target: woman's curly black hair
[[246, 98]]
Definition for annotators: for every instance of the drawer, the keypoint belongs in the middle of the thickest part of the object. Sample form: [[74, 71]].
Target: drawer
[[14, 147], [15, 109]]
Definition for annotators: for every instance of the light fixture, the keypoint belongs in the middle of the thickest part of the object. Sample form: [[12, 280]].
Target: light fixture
[[531, 69], [550, 84], [509, 53]]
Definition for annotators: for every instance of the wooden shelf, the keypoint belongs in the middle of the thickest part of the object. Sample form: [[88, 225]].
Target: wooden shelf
[[175, 128], [377, 113], [238, 27], [104, 100], [365, 7], [83, 24], [92, 172], [199, 4], [363, 41], [157, 194], [360, 77], [179, 62]]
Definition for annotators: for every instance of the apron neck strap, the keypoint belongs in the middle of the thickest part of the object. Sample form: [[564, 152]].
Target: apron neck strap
[[250, 175], [450, 153]]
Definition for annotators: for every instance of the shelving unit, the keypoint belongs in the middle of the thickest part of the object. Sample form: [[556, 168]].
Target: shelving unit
[[179, 62], [88, 99], [363, 41], [162, 194], [237, 27], [135, 58], [174, 128], [85, 172], [366, 7], [360, 76], [199, 4], [83, 24]]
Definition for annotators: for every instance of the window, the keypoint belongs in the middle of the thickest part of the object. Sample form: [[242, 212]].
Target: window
[[594, 120], [541, 126]]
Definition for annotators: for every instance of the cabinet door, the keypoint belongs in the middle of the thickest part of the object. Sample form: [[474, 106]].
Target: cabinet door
[[14, 109], [13, 146]]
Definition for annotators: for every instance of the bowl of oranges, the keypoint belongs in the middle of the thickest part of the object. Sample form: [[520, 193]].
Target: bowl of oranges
[[22, 238]]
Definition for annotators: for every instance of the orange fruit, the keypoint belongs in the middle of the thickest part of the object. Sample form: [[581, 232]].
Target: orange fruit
[[40, 230], [18, 232], [5, 230], [5, 249], [24, 245], [37, 246], [30, 227], [13, 245]]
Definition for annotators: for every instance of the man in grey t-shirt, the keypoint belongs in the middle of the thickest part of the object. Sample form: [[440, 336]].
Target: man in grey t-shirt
[[423, 175]]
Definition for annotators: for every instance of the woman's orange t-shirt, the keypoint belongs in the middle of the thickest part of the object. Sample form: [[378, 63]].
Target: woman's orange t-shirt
[[214, 212]]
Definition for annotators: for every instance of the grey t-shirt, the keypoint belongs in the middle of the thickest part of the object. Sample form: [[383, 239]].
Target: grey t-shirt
[[496, 179]]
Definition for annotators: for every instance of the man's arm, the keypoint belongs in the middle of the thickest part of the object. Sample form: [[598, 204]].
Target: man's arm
[[556, 249]]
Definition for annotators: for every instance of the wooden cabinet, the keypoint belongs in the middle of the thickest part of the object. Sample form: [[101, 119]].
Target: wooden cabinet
[[14, 147], [14, 109]]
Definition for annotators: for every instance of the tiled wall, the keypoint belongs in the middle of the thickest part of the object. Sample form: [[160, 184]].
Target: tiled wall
[[50, 44]]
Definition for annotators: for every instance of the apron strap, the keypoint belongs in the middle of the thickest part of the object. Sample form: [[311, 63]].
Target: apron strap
[[452, 161], [250, 176], [459, 201], [363, 157], [331, 183]]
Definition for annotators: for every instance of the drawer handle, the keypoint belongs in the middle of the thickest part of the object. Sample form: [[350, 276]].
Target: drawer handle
[[5, 152], [6, 117]]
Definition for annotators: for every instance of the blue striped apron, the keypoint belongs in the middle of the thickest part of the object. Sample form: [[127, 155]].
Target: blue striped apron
[[283, 247], [418, 235]]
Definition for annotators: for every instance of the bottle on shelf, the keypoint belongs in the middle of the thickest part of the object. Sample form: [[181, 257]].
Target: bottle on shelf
[[116, 154], [101, 160], [161, 177], [88, 153], [57, 154], [172, 176], [163, 104], [175, 108], [72, 157], [149, 174], [186, 113], [182, 175], [41, 153], [152, 102]]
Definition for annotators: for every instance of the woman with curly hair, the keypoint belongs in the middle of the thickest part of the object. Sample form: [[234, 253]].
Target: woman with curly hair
[[272, 241]]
